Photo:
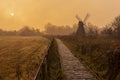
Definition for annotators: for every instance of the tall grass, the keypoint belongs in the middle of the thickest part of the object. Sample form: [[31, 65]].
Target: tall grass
[[93, 53], [20, 57]]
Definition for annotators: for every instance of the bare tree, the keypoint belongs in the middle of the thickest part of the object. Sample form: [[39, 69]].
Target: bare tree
[[116, 26], [108, 31], [92, 31], [57, 30], [113, 29], [27, 31]]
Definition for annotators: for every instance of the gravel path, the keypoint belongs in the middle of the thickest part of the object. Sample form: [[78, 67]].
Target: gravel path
[[72, 67]]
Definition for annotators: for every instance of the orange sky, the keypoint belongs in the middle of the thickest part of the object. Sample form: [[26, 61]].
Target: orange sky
[[37, 13]]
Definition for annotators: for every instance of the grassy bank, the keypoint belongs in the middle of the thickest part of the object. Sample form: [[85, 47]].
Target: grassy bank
[[93, 53], [53, 61]]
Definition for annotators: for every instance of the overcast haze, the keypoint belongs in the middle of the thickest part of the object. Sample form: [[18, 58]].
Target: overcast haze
[[14, 14]]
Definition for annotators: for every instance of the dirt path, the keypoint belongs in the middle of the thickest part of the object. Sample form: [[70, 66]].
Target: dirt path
[[72, 67]]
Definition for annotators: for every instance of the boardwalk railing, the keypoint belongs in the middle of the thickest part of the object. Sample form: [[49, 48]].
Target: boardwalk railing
[[42, 70]]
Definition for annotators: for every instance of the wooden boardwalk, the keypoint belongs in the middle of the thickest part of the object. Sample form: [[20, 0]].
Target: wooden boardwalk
[[73, 69]]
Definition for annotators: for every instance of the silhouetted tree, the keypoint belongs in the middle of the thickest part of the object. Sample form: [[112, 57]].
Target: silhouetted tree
[[92, 31], [26, 31], [113, 29], [1, 32], [51, 29], [7, 33], [116, 26], [107, 31]]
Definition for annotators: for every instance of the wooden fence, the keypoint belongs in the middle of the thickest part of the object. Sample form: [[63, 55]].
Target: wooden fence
[[42, 73]]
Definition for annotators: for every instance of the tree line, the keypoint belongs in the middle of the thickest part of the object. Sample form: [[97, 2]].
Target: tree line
[[111, 30], [25, 31]]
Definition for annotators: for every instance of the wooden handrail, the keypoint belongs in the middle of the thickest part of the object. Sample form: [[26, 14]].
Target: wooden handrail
[[40, 75]]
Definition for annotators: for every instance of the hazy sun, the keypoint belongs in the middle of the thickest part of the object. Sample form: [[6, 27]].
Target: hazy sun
[[12, 14]]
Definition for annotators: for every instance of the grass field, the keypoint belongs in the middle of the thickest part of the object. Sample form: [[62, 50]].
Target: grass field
[[20, 57], [93, 53]]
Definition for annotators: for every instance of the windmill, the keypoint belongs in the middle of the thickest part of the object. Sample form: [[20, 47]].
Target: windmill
[[81, 30]]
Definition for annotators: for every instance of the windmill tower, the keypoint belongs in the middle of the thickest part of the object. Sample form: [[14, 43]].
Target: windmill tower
[[81, 30]]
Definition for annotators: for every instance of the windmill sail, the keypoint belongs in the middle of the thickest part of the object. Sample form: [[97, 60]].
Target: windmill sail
[[86, 17], [78, 18]]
